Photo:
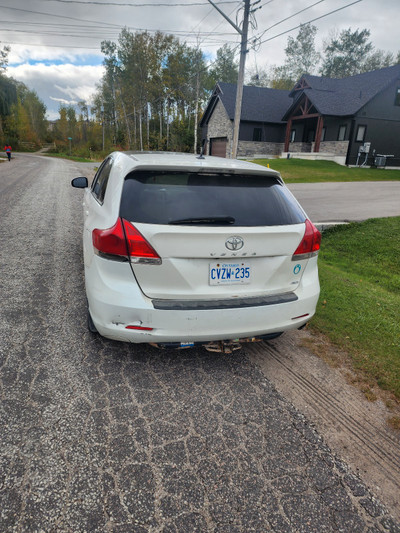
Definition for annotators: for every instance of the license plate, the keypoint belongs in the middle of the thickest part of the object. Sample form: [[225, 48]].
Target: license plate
[[229, 273]]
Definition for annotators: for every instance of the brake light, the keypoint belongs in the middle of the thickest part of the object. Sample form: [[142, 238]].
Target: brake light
[[122, 242], [110, 242], [310, 243], [140, 251]]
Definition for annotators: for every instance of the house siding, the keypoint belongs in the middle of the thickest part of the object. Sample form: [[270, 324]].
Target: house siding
[[271, 144], [382, 118], [270, 133], [384, 137]]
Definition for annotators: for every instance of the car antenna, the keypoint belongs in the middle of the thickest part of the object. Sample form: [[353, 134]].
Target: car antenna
[[204, 143]]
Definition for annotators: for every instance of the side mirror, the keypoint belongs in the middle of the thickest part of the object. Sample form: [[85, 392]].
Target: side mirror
[[80, 183]]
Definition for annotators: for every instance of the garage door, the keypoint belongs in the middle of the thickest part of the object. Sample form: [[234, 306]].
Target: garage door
[[218, 146]]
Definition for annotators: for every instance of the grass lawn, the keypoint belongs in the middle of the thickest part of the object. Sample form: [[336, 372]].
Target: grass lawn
[[303, 171], [359, 306], [71, 157]]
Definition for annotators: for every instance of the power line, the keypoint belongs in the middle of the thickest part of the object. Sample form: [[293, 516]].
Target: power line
[[86, 2], [60, 16], [101, 32], [309, 22], [290, 17]]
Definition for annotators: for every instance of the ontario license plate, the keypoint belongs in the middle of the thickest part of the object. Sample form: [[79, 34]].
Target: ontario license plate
[[229, 273]]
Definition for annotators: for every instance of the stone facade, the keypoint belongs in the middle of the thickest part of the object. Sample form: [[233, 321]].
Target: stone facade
[[299, 147], [219, 126], [263, 149], [335, 147]]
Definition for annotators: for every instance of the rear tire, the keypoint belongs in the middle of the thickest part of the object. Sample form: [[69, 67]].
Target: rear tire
[[90, 324]]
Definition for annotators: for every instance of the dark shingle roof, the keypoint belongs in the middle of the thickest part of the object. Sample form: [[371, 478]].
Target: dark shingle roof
[[259, 104], [346, 96]]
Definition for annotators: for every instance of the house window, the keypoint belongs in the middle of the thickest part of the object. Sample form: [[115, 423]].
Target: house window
[[360, 136], [342, 133], [397, 99], [257, 134], [292, 136], [323, 134]]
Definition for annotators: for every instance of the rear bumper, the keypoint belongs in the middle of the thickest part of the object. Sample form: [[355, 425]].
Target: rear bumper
[[115, 303]]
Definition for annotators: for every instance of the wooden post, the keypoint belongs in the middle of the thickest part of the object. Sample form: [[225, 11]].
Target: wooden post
[[318, 133], [287, 136]]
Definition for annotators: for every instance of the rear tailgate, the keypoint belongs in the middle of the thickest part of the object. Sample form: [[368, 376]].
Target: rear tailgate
[[218, 234], [196, 262]]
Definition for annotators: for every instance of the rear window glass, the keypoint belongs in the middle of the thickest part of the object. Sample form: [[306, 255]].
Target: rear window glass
[[190, 198]]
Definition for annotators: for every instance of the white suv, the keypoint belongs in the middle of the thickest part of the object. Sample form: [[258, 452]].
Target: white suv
[[181, 250]]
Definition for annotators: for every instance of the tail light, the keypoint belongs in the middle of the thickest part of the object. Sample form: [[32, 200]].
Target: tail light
[[124, 242], [310, 244]]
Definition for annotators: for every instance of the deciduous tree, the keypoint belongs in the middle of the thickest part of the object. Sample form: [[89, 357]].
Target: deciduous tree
[[346, 54]]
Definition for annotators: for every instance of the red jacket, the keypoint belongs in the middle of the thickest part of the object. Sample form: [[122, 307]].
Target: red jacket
[[7, 148]]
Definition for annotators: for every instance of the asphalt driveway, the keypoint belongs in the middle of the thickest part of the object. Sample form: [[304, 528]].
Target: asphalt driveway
[[349, 201]]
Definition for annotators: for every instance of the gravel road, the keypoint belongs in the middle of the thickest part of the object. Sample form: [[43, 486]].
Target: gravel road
[[103, 436]]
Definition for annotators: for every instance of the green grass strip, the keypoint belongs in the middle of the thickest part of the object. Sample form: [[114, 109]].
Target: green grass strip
[[305, 171], [359, 306]]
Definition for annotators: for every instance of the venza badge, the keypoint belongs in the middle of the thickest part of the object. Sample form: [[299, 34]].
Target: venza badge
[[234, 243]]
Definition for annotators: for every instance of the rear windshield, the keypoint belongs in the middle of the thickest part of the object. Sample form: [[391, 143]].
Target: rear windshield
[[191, 198]]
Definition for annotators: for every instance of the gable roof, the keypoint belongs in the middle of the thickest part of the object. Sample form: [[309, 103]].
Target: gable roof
[[259, 104], [345, 96]]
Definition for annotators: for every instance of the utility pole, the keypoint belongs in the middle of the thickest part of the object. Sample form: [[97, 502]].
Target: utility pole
[[239, 90]]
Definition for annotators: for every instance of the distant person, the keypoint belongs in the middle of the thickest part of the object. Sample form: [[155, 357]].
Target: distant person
[[8, 151]]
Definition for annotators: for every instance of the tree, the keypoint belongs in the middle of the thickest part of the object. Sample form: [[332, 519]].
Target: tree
[[152, 84], [346, 54], [258, 77], [25, 119], [378, 59], [225, 68], [301, 58], [4, 57]]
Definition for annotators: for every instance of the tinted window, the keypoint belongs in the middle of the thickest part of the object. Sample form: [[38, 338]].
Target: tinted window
[[100, 181], [164, 197], [397, 99], [257, 134]]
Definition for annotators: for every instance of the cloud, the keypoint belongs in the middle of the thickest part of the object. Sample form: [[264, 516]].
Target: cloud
[[55, 84]]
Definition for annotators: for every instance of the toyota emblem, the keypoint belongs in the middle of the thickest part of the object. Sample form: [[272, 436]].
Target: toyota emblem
[[234, 243]]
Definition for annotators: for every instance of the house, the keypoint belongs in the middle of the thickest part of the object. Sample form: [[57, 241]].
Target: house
[[350, 120], [262, 129]]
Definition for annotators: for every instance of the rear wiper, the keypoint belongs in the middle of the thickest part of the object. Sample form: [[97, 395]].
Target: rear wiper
[[204, 220]]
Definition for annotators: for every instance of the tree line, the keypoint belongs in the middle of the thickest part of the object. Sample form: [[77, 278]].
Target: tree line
[[154, 90], [22, 113]]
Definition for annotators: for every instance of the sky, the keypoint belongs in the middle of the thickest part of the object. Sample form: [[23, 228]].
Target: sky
[[55, 44]]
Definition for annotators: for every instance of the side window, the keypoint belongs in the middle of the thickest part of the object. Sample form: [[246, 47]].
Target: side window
[[342, 133], [257, 134], [292, 136], [100, 181], [360, 136], [397, 98]]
